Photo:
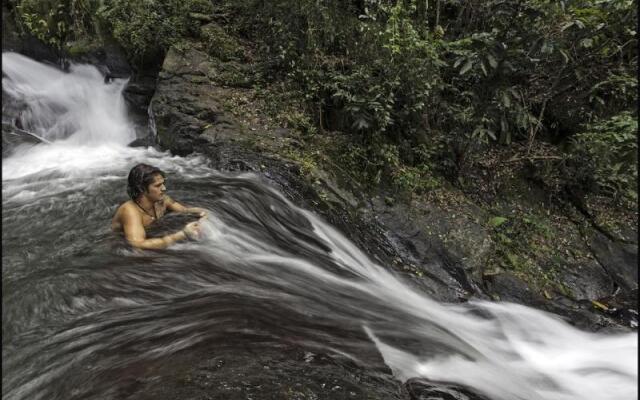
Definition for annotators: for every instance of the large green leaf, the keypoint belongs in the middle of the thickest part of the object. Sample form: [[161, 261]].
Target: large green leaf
[[466, 67], [492, 61], [497, 221]]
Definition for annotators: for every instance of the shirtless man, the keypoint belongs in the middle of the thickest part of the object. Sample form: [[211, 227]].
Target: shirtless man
[[149, 203]]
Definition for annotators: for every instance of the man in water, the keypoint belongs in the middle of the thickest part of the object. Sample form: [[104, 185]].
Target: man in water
[[149, 203]]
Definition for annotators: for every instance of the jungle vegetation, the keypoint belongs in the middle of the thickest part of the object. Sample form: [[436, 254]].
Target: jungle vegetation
[[414, 90]]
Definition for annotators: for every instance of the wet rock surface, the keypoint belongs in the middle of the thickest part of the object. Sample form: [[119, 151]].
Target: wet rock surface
[[13, 139], [421, 390], [619, 260], [442, 250], [259, 371]]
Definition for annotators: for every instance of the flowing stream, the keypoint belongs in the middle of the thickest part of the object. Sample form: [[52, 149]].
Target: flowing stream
[[85, 317]]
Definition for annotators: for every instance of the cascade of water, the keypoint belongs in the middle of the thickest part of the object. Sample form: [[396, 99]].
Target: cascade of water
[[512, 352], [82, 119], [77, 107]]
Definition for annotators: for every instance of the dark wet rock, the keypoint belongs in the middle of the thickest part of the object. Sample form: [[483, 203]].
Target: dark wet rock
[[259, 371], [422, 390], [13, 138], [620, 260], [583, 315], [621, 306], [146, 141], [509, 287], [451, 249], [586, 280], [188, 112], [140, 90]]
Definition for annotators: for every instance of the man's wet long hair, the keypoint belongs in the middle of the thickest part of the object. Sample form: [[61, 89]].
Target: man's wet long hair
[[140, 177]]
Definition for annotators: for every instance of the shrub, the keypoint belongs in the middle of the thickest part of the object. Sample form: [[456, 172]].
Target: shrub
[[219, 44], [56, 22], [147, 28], [611, 146]]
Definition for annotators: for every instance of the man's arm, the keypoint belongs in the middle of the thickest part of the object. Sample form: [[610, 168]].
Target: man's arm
[[136, 236], [174, 206]]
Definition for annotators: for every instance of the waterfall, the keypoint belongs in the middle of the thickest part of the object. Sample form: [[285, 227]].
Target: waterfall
[[80, 317]]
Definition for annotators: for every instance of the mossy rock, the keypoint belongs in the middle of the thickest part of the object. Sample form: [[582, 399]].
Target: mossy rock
[[83, 47], [232, 74], [219, 44]]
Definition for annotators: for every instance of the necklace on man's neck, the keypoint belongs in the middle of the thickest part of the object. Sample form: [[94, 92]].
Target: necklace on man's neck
[[154, 216]]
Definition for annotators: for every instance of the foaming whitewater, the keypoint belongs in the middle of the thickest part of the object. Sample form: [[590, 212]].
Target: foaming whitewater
[[75, 108], [83, 318], [84, 125], [506, 351]]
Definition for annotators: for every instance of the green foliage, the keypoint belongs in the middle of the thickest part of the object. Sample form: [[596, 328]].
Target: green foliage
[[368, 72], [497, 221], [612, 148], [388, 91], [57, 21], [418, 88], [520, 243], [147, 28], [219, 44], [540, 72], [453, 77]]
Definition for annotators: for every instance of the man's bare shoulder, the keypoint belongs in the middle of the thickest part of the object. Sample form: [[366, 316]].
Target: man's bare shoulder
[[128, 208], [125, 211]]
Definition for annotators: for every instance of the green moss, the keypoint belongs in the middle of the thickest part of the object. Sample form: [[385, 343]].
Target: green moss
[[523, 244], [82, 46], [219, 44]]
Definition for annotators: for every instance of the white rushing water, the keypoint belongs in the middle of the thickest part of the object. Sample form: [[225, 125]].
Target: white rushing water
[[85, 125], [76, 107], [516, 353]]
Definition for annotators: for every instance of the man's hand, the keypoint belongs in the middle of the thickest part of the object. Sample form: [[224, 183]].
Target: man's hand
[[200, 212], [192, 230]]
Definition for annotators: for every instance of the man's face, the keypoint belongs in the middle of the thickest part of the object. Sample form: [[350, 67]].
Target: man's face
[[155, 190]]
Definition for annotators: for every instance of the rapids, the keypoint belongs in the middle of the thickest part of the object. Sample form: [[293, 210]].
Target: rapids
[[85, 317]]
